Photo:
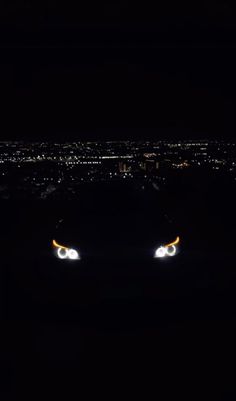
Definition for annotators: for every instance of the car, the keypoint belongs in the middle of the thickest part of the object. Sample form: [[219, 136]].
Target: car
[[116, 221]]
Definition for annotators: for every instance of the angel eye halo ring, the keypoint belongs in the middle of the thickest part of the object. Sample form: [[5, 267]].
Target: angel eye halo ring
[[167, 250], [64, 252]]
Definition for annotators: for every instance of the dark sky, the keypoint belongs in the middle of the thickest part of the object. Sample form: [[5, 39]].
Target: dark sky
[[120, 70]]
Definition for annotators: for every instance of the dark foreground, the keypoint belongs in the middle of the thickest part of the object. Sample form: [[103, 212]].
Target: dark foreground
[[119, 330]]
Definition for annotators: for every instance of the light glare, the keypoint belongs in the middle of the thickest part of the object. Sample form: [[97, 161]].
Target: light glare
[[160, 252], [171, 250], [62, 253], [66, 253], [73, 254]]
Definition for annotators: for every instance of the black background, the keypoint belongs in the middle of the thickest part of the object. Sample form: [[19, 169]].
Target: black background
[[112, 71], [111, 328], [120, 70]]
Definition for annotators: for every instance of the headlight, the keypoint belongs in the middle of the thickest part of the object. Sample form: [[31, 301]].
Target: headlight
[[64, 252], [167, 250]]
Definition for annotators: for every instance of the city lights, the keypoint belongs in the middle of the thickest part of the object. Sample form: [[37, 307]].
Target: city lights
[[37, 165]]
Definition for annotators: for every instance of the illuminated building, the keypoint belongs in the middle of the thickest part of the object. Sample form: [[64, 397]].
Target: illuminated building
[[123, 168], [149, 165]]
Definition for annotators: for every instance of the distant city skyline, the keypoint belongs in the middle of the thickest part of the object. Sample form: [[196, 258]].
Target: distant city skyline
[[44, 169]]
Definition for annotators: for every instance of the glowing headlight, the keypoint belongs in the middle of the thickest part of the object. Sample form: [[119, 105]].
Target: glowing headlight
[[160, 252], [62, 253], [167, 250], [171, 250], [65, 253], [73, 254]]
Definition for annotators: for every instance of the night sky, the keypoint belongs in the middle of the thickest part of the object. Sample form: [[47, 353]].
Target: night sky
[[117, 71]]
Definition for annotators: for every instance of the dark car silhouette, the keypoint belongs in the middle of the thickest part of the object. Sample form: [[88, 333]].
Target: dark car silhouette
[[116, 220]]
